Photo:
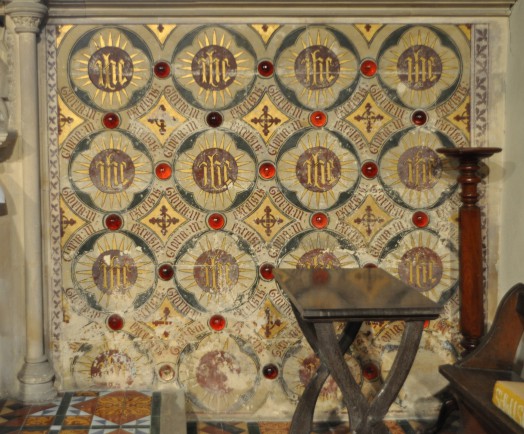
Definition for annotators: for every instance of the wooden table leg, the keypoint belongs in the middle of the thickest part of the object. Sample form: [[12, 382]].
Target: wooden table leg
[[302, 421], [331, 356], [406, 353], [368, 418]]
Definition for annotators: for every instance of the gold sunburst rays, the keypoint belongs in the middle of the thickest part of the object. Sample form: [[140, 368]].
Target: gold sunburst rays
[[218, 372], [318, 169], [319, 250], [111, 171], [424, 261], [215, 170], [214, 68], [217, 272], [115, 271], [317, 68], [415, 170], [419, 67], [110, 69]]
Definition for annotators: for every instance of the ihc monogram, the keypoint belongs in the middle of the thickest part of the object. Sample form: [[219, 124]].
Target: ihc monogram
[[216, 271], [114, 271], [419, 67], [318, 169], [317, 67], [112, 170], [110, 69], [214, 169], [421, 267], [419, 168], [214, 67]]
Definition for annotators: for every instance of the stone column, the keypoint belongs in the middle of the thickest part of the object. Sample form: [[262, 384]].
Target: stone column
[[36, 376]]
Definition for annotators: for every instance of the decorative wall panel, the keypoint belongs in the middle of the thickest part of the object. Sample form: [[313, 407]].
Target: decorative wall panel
[[193, 159]]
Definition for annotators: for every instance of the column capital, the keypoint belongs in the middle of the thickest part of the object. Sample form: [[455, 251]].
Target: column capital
[[26, 14]]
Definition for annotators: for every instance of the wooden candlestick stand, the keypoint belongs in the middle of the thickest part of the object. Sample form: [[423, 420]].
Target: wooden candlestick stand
[[470, 244]]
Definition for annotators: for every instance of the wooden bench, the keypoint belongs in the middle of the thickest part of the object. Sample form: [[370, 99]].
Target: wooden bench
[[471, 381]]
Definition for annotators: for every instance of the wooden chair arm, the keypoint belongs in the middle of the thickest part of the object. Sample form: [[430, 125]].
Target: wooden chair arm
[[497, 349]]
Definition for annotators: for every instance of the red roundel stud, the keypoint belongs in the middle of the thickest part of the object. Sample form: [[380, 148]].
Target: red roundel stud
[[214, 119], [113, 222], [370, 265], [267, 170], [318, 119], [370, 371], [265, 68], [266, 271], [162, 69], [166, 272], [420, 219], [270, 371], [111, 120], [216, 221], [419, 117], [163, 171], [115, 322], [368, 68], [369, 169], [166, 372], [217, 322], [319, 220]]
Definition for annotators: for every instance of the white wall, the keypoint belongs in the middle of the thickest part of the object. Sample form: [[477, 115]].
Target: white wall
[[12, 312], [511, 259]]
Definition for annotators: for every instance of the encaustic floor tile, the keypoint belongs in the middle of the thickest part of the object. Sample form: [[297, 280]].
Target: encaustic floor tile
[[136, 412]]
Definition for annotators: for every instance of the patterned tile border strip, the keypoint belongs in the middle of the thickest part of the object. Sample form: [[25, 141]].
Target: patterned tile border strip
[[55, 279]]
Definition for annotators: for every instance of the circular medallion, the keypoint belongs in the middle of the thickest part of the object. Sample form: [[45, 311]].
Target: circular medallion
[[318, 250], [110, 68], [111, 271], [414, 174], [419, 64], [317, 170], [110, 169], [424, 261], [214, 67], [217, 168], [220, 373], [118, 363], [215, 273], [316, 67]]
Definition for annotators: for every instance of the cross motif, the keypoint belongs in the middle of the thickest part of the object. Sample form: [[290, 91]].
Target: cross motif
[[65, 222], [369, 219], [63, 121], [160, 120], [164, 221], [165, 318], [464, 116], [370, 117], [266, 120], [268, 221], [270, 323]]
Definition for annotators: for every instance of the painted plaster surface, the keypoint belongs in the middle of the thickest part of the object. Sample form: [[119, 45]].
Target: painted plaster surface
[[189, 160]]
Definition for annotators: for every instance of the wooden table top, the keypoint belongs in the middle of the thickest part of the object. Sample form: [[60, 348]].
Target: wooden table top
[[355, 294]]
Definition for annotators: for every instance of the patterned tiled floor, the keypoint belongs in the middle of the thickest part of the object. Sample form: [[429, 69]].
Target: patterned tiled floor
[[133, 412]]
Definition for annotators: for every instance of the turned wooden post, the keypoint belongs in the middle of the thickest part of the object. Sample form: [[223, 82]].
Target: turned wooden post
[[470, 244]]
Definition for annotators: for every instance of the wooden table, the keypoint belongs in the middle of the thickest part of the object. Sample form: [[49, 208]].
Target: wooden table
[[319, 298]]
